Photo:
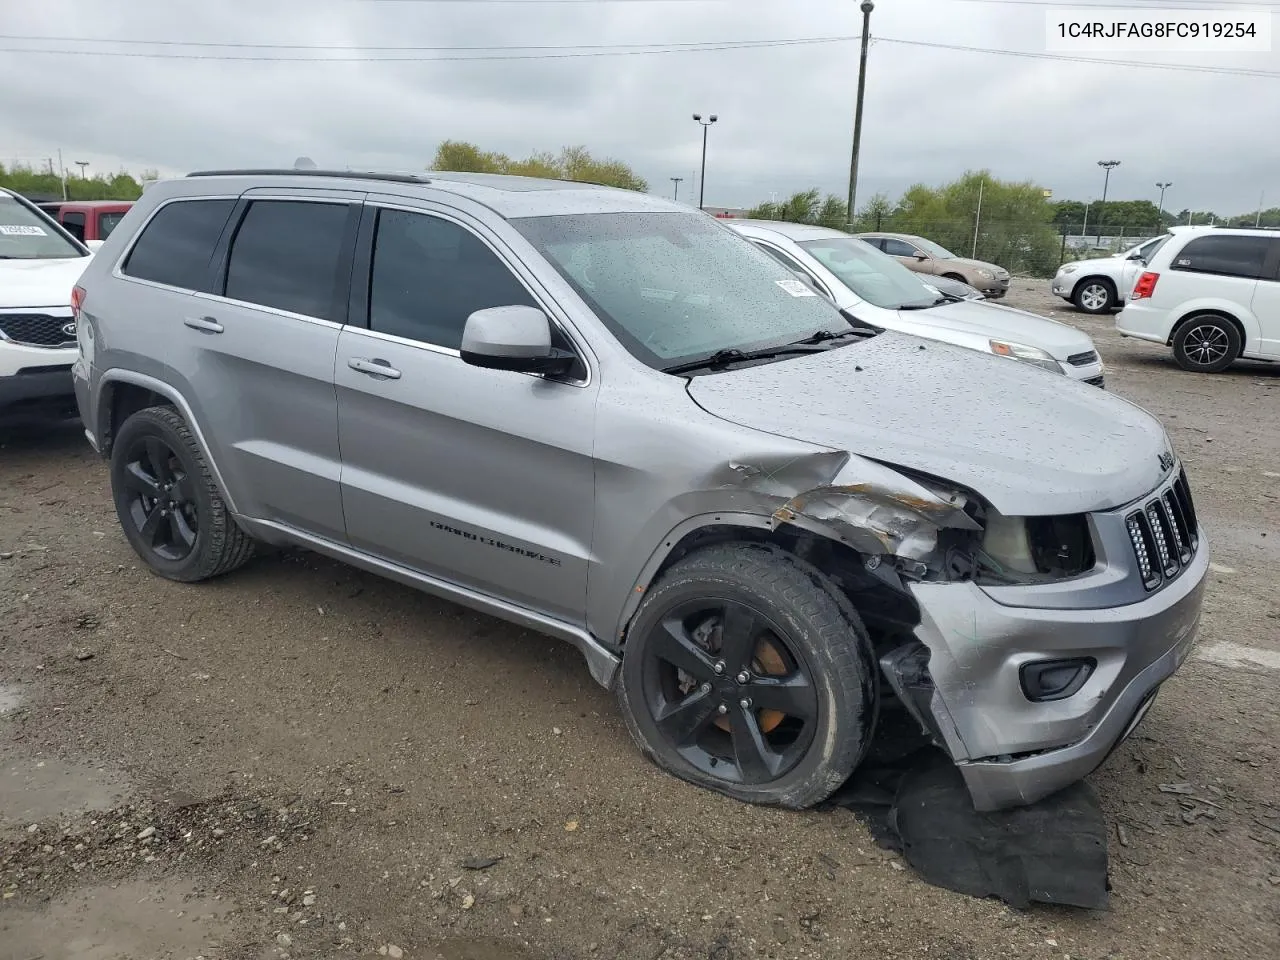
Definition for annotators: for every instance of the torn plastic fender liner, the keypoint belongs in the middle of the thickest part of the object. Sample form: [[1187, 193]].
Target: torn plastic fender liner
[[877, 511]]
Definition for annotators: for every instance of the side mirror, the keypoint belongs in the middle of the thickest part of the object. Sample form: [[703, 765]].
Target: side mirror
[[920, 256], [516, 338]]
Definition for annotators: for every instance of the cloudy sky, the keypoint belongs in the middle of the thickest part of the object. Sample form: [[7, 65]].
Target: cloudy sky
[[785, 111]]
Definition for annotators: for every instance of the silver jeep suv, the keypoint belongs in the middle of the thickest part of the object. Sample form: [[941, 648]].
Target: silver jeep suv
[[609, 418]]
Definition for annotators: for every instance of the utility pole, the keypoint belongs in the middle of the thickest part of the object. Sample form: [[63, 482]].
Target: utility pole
[[1084, 227], [866, 7], [677, 181], [1163, 187], [977, 220], [702, 181], [1108, 166], [1258, 219]]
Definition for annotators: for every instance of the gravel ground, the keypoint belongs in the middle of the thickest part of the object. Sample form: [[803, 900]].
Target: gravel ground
[[300, 760]]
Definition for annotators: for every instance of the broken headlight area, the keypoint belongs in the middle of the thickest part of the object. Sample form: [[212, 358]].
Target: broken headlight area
[[1016, 550]]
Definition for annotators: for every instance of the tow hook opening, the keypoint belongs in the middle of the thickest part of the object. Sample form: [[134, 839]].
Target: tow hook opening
[[1046, 680]]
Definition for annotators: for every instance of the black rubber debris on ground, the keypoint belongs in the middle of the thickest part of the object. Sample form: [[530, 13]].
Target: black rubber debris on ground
[[914, 802]]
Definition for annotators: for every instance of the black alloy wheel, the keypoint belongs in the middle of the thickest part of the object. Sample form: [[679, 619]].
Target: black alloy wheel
[[162, 504], [727, 692]]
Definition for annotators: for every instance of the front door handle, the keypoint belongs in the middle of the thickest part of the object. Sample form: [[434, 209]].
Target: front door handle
[[374, 368], [203, 324]]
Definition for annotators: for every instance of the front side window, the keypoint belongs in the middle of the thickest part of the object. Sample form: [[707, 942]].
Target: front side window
[[107, 222], [430, 274], [28, 234], [74, 225], [898, 248], [1225, 255], [677, 287], [177, 244], [287, 254], [873, 276]]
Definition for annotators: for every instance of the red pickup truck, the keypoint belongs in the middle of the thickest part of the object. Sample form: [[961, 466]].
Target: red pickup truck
[[88, 219]]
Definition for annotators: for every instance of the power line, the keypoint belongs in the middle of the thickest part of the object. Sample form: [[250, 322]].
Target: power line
[[133, 41], [1093, 61], [569, 51]]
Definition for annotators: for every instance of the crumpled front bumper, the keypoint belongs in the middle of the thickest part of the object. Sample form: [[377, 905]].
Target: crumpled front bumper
[[1013, 751]]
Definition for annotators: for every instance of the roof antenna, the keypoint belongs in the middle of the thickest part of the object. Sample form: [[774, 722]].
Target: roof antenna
[[304, 163]]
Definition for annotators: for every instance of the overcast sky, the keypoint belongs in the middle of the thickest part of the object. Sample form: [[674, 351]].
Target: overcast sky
[[785, 112]]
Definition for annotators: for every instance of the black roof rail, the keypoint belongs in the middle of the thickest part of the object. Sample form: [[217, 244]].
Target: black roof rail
[[290, 172]]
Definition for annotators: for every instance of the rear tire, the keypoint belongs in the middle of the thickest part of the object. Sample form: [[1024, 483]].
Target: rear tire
[[1094, 295], [746, 672], [167, 503], [1206, 343]]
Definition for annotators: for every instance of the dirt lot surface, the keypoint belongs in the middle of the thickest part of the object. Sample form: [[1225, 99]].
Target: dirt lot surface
[[301, 760]]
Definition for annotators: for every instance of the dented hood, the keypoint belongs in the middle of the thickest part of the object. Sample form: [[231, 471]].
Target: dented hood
[[1031, 442]]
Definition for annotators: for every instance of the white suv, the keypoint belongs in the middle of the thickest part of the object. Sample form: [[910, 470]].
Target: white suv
[[1214, 296], [39, 265]]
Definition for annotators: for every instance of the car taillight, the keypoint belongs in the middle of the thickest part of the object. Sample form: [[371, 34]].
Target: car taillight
[[1145, 287], [77, 299]]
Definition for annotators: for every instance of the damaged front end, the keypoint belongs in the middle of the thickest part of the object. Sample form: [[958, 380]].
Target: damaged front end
[[983, 686]]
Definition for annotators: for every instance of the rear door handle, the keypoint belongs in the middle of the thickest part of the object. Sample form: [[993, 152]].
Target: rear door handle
[[203, 324], [374, 368]]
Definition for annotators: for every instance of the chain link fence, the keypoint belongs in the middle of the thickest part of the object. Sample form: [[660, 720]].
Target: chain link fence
[[1024, 249]]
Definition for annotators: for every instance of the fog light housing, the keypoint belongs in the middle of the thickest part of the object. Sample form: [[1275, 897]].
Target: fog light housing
[[1045, 680]]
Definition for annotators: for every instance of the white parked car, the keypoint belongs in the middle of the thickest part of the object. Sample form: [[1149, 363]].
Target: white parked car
[[1211, 294], [39, 265], [871, 286], [1101, 284]]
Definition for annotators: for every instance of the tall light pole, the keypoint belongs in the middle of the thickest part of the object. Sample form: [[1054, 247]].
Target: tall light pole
[[676, 193], [1108, 166], [702, 181], [1163, 187], [866, 8], [81, 164]]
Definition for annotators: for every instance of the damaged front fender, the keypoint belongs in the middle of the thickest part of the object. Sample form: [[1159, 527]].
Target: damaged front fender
[[878, 511]]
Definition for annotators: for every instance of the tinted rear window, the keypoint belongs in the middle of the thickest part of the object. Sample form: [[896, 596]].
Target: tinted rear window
[[176, 246], [286, 255], [1224, 254]]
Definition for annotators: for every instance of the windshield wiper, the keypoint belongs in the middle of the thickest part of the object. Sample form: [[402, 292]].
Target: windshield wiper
[[722, 358], [928, 306]]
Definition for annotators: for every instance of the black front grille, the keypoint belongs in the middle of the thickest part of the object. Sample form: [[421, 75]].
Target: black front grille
[[1098, 381], [38, 329], [1164, 534], [1083, 359]]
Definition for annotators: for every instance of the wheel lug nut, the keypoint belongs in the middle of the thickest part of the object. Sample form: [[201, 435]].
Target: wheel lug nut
[[722, 709], [743, 677], [744, 703], [719, 667], [705, 688]]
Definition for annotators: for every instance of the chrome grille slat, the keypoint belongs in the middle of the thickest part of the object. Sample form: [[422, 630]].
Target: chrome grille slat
[[1163, 533]]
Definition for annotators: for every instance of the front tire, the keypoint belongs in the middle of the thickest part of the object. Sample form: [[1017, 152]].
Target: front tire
[[1094, 295], [745, 673], [167, 503], [1206, 344]]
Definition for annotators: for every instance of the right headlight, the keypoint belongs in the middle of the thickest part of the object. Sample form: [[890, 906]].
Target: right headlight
[[1020, 351]]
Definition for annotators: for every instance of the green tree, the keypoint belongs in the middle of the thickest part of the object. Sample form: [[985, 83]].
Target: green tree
[[807, 206], [1014, 229], [572, 163], [877, 214], [47, 185]]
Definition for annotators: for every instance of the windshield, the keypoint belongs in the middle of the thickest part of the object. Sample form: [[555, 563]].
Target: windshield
[[675, 287], [874, 276], [937, 251], [28, 235]]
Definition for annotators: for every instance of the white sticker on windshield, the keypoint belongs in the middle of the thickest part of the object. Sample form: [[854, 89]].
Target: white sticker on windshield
[[21, 230], [795, 288]]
